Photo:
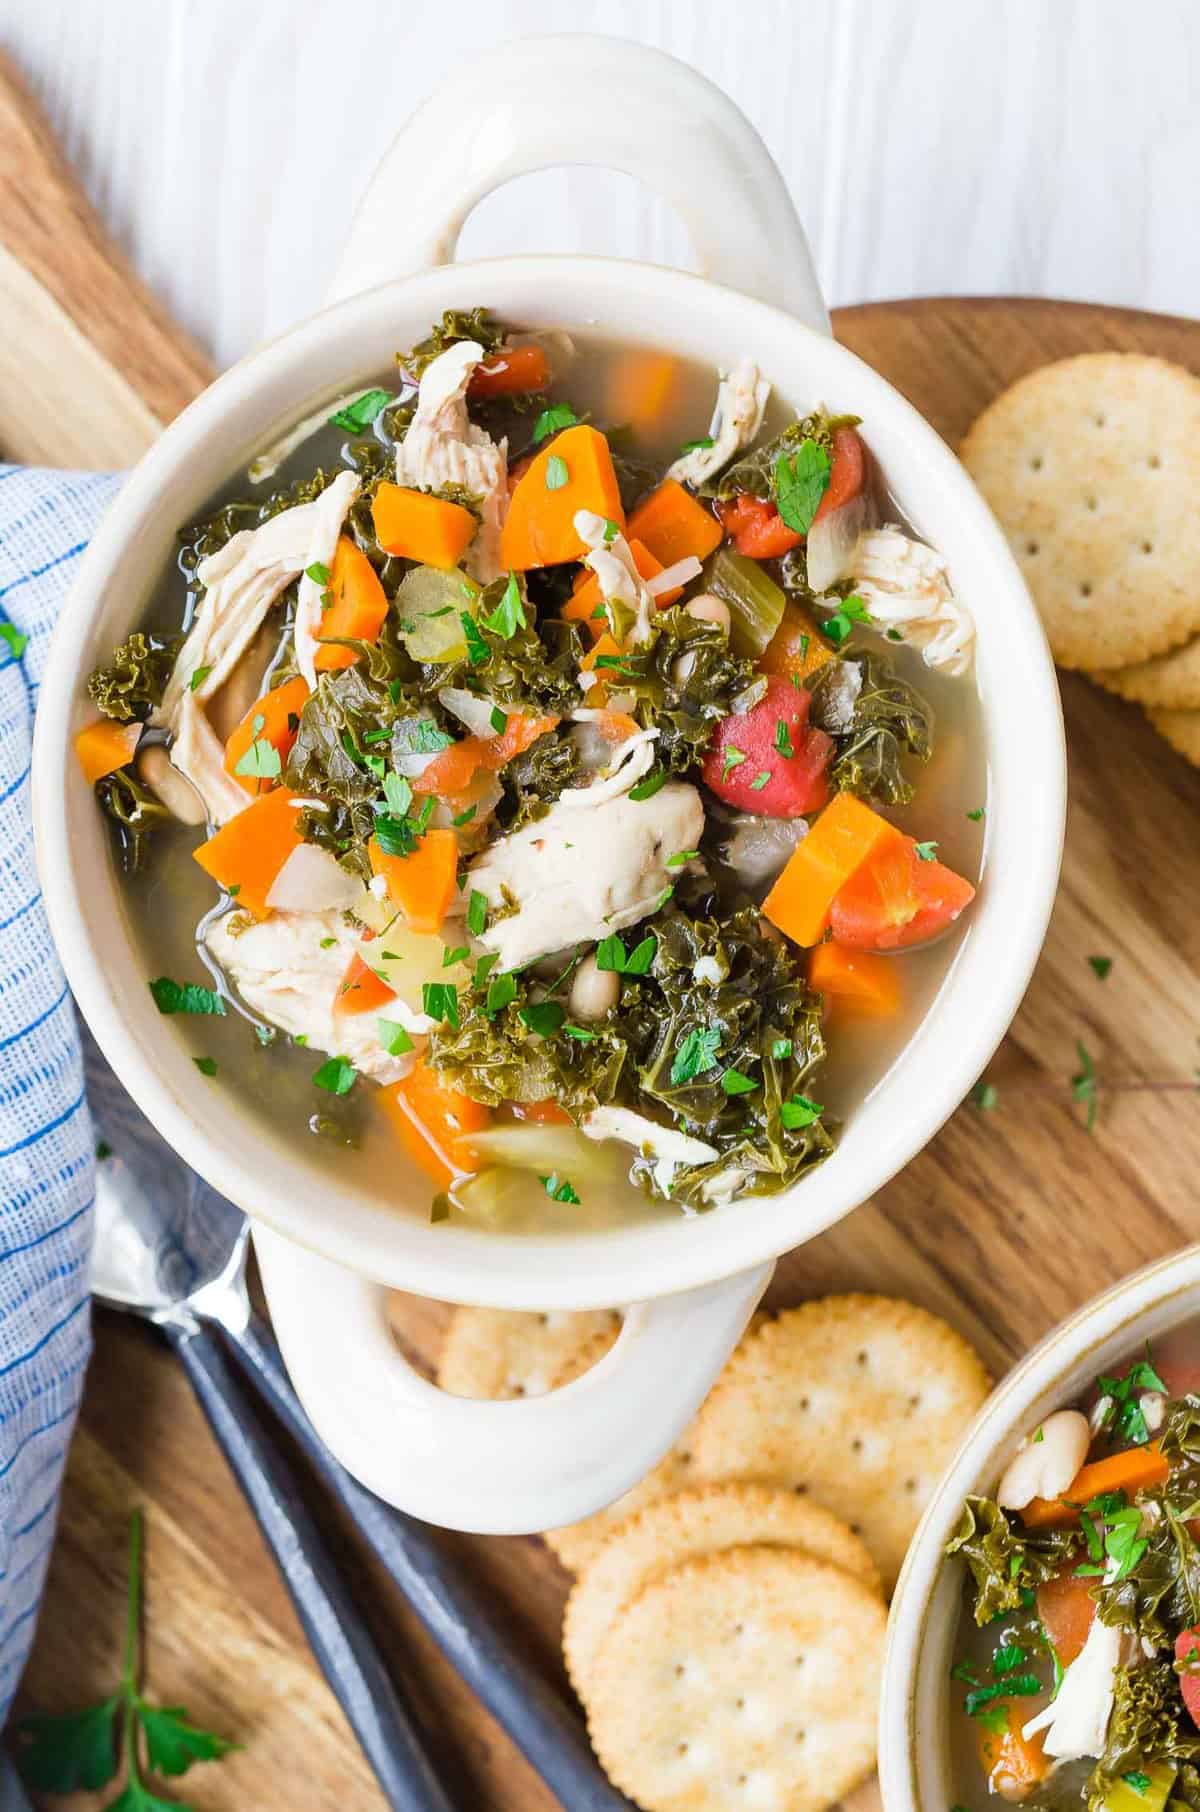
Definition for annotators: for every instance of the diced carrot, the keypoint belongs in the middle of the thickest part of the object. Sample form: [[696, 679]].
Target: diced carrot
[[840, 841], [518, 469], [359, 607], [277, 715], [361, 990], [1067, 1609], [246, 855], [673, 524], [539, 529], [1012, 1762], [640, 389], [104, 746], [604, 649], [866, 984], [511, 373], [584, 601], [421, 884], [454, 768], [900, 898], [421, 527], [542, 1113], [1130, 1471], [797, 648], [434, 1121], [756, 528]]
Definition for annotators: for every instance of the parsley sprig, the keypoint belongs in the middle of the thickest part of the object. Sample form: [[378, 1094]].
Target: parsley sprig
[[86, 1748]]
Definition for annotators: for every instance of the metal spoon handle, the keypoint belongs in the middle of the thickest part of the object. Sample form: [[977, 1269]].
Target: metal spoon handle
[[550, 1736], [339, 1638]]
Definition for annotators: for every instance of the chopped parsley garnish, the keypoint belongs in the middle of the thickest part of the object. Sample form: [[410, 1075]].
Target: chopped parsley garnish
[[984, 1096], [498, 720], [477, 913], [556, 473], [612, 955], [103, 1150], [1101, 966], [799, 1111], [1023, 1686], [185, 997], [734, 1082], [261, 760], [611, 531], [783, 739], [452, 955], [337, 1075], [760, 780], [1084, 1084], [550, 421], [509, 614], [977, 814], [1137, 1780], [733, 759], [800, 484], [700, 445], [423, 737], [392, 1036], [1007, 1659], [318, 572], [464, 817], [649, 784], [327, 943], [17, 642], [207, 1066], [841, 623], [926, 852], [543, 1017], [697, 1053], [361, 412], [395, 836], [501, 990], [579, 1032], [478, 652], [681, 856], [1123, 1412], [198, 678], [558, 1188], [397, 790], [440, 1001], [781, 1049]]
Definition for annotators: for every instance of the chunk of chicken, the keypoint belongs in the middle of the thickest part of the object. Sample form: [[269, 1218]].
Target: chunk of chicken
[[1076, 1720], [741, 399], [584, 870], [286, 969], [906, 587], [443, 446], [611, 559]]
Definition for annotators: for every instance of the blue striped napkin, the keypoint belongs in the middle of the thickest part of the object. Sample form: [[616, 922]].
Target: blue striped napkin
[[47, 1159]]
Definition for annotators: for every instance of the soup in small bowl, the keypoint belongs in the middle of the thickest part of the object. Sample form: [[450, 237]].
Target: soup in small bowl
[[557, 768]]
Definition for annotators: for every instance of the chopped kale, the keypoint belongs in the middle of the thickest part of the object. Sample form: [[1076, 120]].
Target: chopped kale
[[133, 683], [890, 720], [1007, 1561], [135, 811]]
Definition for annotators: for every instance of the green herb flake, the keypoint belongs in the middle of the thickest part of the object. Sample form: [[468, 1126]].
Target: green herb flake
[[454, 954], [359, 414], [781, 1049], [611, 954], [984, 1096], [327, 943], [552, 421], [926, 852], [800, 484], [509, 614], [783, 739], [261, 760], [977, 814], [1084, 1085], [1137, 1780], [185, 997], [478, 652], [798, 1112], [647, 787], [556, 473], [681, 857], [484, 967], [558, 1189], [1007, 1659], [207, 1066], [318, 572], [464, 817], [397, 790], [761, 779], [103, 1150], [198, 678], [543, 1017], [733, 759], [641, 956], [611, 531], [734, 1082], [696, 1054], [498, 720], [477, 911], [700, 445], [1100, 966], [840, 625], [579, 1032], [440, 1001], [502, 989], [337, 1075], [393, 1037]]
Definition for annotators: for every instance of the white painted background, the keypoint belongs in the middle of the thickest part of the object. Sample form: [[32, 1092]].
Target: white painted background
[[974, 146]]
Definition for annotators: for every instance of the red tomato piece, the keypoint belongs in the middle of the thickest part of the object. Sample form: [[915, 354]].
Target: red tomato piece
[[1067, 1609], [847, 471], [756, 528], [1187, 1648], [775, 739], [896, 900]]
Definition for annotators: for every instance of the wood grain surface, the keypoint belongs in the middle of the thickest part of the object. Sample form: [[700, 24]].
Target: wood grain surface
[[1006, 1222]]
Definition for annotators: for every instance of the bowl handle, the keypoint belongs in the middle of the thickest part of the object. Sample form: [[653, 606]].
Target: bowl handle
[[508, 1468], [536, 103]]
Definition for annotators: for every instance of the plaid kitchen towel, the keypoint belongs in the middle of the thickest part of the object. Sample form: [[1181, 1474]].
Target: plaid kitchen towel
[[47, 1158]]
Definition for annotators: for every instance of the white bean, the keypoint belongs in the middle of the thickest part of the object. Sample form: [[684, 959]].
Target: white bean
[[180, 797], [594, 991], [1046, 1461], [710, 610]]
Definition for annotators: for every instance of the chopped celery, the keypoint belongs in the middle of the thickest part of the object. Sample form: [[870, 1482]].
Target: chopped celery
[[430, 604], [755, 602], [1128, 1794]]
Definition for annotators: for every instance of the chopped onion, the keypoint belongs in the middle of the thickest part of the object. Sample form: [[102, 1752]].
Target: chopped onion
[[680, 574], [311, 881], [832, 541], [470, 709]]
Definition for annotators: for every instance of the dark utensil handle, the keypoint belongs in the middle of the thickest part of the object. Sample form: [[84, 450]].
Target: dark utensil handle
[[339, 1638], [547, 1732]]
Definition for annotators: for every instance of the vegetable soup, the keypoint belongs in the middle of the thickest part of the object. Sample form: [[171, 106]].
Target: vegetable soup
[[555, 768], [1076, 1678]]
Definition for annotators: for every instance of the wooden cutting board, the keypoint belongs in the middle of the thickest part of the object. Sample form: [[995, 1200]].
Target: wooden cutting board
[[1009, 1220]]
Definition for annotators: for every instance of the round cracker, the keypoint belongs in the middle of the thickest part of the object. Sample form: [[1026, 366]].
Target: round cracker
[[858, 1400], [684, 1527], [1169, 681], [1092, 466], [1182, 731], [748, 1678], [504, 1353]]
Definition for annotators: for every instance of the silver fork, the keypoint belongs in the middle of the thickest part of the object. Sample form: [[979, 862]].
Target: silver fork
[[171, 1249]]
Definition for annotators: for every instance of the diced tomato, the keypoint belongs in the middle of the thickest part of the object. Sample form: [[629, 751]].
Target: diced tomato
[[847, 471], [756, 528], [1067, 1608], [777, 741], [1187, 1648], [454, 769], [896, 900]]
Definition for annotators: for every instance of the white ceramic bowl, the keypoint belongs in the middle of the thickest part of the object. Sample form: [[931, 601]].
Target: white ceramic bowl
[[528, 1465], [914, 1725]]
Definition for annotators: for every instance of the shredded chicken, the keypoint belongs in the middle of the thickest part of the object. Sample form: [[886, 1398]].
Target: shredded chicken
[[324, 528], [669, 1149], [741, 399], [585, 869], [287, 969], [199, 755], [444, 447], [1076, 1720], [611, 559], [905, 586]]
